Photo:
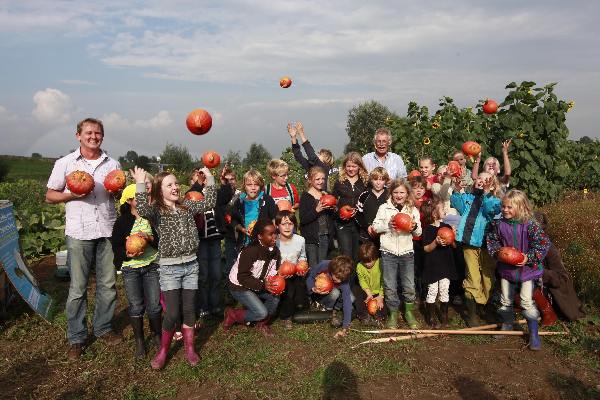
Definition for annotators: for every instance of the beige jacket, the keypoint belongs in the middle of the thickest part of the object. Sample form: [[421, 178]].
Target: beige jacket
[[393, 242]]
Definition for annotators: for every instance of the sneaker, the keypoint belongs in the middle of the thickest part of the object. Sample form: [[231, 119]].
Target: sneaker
[[111, 338], [75, 351], [336, 319]]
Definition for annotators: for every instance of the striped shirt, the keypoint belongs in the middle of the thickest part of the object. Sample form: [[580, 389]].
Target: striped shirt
[[150, 253]]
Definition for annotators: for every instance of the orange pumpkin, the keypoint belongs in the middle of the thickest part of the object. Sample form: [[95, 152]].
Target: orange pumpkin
[[199, 121]]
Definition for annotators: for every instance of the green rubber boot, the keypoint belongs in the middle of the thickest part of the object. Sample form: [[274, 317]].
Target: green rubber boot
[[409, 317], [392, 322]]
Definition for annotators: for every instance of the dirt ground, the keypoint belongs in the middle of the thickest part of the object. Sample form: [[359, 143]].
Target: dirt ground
[[305, 362]]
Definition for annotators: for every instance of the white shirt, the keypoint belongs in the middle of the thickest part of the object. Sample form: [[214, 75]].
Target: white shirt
[[92, 216], [393, 164]]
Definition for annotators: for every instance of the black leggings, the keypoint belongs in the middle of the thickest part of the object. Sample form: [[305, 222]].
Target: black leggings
[[175, 300], [294, 297]]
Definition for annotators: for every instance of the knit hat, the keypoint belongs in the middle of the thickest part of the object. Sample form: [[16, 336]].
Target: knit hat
[[128, 193]]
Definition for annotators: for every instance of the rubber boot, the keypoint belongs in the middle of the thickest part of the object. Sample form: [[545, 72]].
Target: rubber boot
[[165, 344], [534, 339], [392, 322], [471, 311], [188, 343], [155, 323], [264, 328], [233, 316], [137, 323], [548, 315], [430, 311], [409, 317], [443, 314]]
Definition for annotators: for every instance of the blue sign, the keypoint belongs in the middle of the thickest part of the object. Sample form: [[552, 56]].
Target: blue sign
[[13, 264]]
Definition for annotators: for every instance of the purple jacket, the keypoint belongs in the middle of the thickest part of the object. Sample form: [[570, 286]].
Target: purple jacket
[[529, 238]]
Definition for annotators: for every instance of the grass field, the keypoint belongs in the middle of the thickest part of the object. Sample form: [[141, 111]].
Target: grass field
[[28, 168]]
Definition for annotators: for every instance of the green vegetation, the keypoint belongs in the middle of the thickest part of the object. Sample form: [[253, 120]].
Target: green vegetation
[[37, 168]]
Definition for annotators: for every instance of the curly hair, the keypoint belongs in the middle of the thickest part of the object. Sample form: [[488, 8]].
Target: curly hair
[[341, 267]]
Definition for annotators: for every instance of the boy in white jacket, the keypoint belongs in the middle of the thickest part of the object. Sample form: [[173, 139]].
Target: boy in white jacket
[[397, 254]]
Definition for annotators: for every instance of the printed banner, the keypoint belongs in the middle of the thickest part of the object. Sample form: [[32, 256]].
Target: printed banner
[[13, 264]]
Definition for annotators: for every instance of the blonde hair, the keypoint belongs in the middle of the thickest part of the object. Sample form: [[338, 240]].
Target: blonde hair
[[254, 176], [518, 199], [494, 185], [379, 173], [326, 156], [277, 167], [312, 172], [496, 164], [355, 158], [410, 198]]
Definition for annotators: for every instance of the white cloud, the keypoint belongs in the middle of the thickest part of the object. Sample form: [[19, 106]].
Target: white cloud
[[115, 122], [78, 82], [52, 106], [6, 115]]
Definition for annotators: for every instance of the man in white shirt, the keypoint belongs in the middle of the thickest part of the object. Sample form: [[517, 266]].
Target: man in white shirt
[[89, 222], [382, 157]]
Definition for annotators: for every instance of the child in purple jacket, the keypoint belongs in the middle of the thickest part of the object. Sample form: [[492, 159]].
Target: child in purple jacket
[[520, 230]]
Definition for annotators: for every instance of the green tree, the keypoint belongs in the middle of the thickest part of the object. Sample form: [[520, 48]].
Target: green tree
[[544, 162], [177, 157], [257, 158], [363, 121], [36, 155], [296, 173], [4, 168]]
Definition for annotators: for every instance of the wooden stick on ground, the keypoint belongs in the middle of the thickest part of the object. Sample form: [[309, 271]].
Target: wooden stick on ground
[[420, 336], [462, 332]]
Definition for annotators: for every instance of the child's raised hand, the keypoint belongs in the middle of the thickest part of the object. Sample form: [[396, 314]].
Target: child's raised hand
[[506, 145], [300, 128], [292, 130], [138, 174]]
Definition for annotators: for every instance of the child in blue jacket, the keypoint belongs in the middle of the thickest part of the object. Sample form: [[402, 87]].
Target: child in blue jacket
[[477, 210]]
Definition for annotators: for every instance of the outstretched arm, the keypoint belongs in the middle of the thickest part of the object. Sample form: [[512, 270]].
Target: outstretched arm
[[475, 171], [506, 160]]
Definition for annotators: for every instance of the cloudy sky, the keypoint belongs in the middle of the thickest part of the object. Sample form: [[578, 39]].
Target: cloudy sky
[[141, 66]]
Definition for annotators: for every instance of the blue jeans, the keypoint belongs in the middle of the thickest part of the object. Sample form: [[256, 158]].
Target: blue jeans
[[315, 253], [209, 275], [143, 290], [179, 276], [348, 238], [231, 254], [258, 305], [530, 311], [80, 254], [394, 269]]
